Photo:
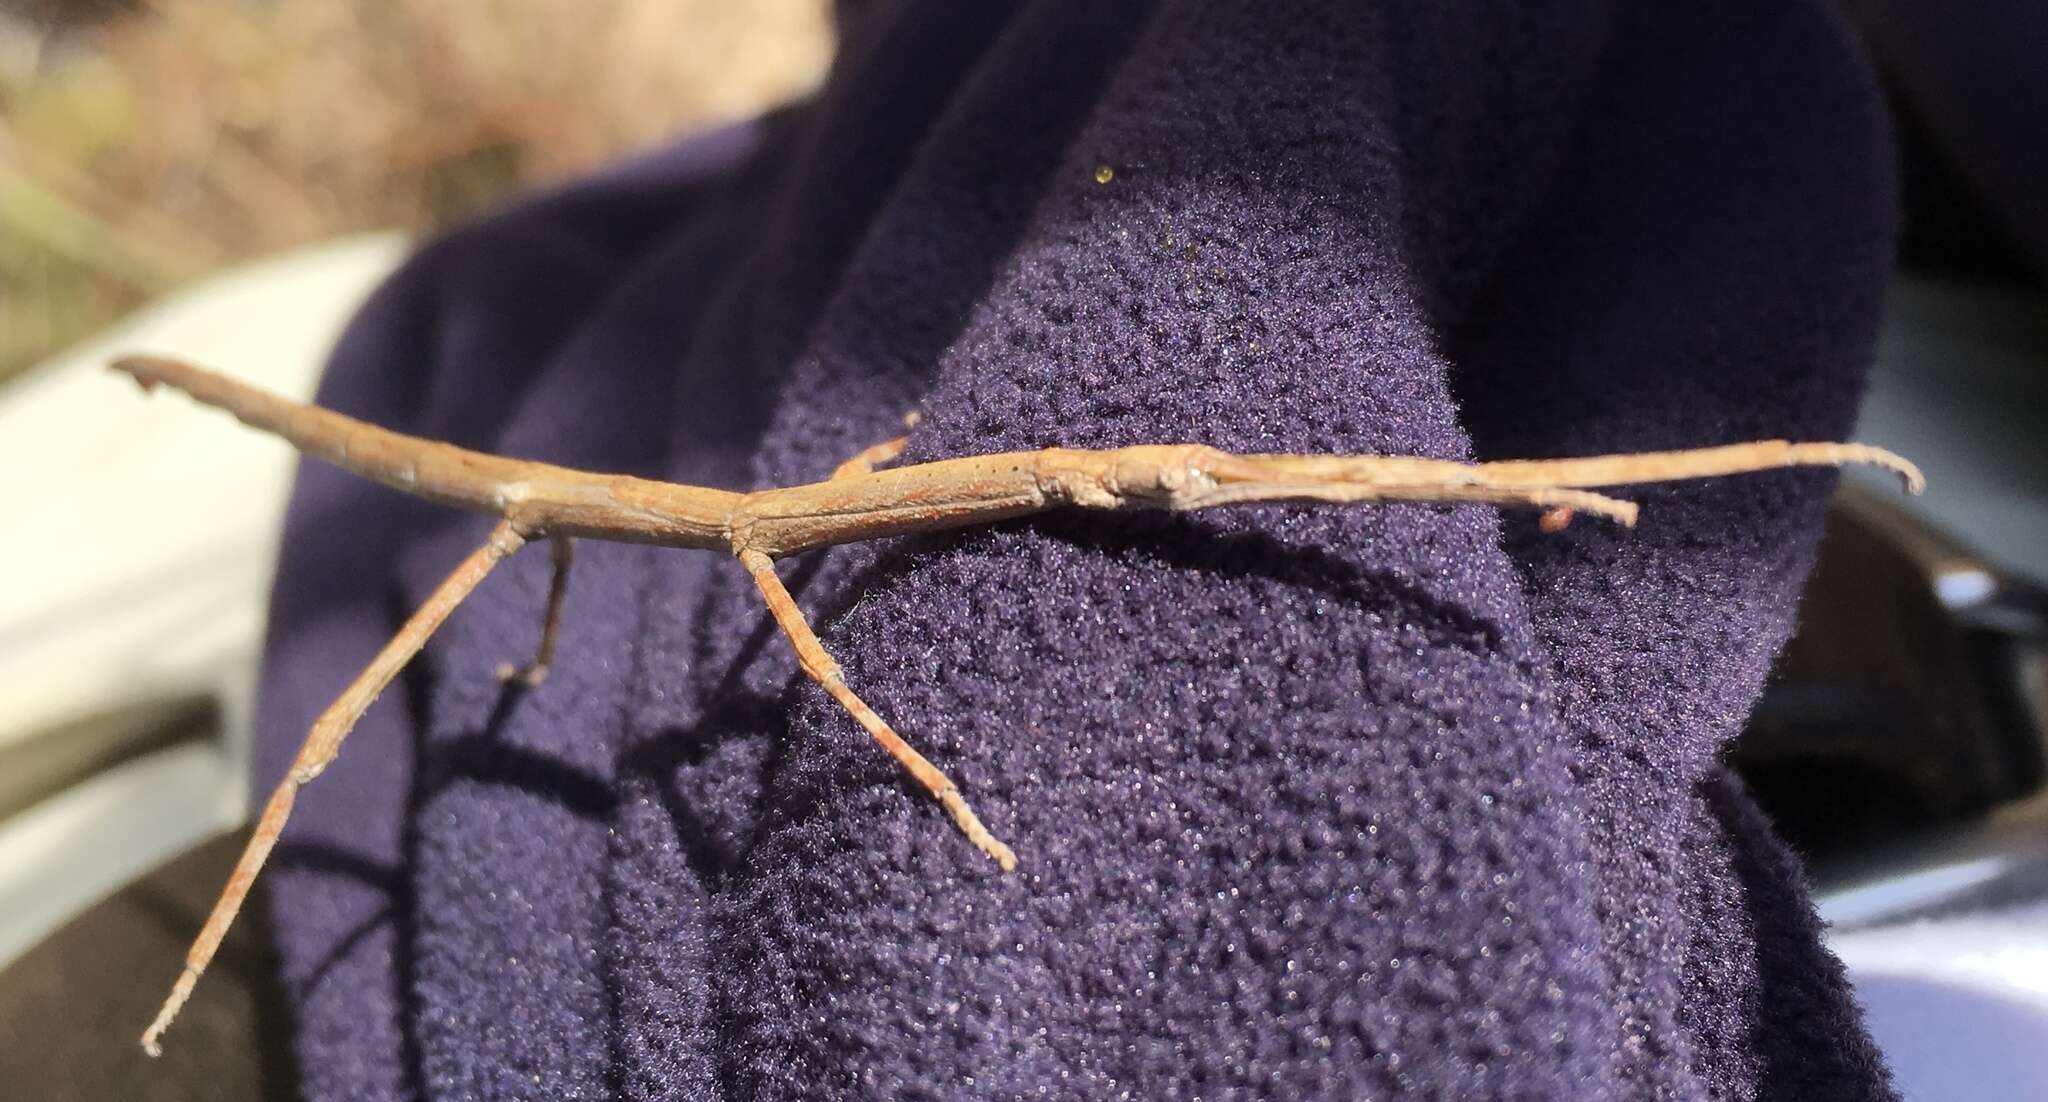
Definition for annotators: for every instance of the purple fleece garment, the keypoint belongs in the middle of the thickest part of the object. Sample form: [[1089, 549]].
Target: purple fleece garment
[[1310, 802]]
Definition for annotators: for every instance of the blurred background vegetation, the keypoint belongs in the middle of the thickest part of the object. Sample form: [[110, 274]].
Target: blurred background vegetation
[[145, 143]]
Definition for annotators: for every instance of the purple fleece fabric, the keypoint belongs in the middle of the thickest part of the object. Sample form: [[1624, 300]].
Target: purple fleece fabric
[[1310, 802]]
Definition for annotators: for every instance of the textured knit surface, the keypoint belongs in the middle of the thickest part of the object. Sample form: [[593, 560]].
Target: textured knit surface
[[1310, 802]]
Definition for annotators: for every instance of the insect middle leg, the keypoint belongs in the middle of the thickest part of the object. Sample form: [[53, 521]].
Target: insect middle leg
[[563, 552], [819, 665]]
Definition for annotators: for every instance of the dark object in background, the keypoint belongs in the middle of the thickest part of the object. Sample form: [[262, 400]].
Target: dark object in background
[[1910, 699], [1971, 82], [71, 1009], [1894, 712], [1948, 231], [54, 760]]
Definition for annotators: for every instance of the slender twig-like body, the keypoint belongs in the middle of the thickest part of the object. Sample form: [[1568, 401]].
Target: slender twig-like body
[[858, 502]]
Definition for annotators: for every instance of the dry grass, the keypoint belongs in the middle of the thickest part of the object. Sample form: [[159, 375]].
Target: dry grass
[[158, 146]]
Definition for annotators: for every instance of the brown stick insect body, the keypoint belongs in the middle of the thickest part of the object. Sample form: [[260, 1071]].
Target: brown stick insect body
[[857, 503]]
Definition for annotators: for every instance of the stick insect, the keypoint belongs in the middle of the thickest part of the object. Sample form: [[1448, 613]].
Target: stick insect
[[860, 501]]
